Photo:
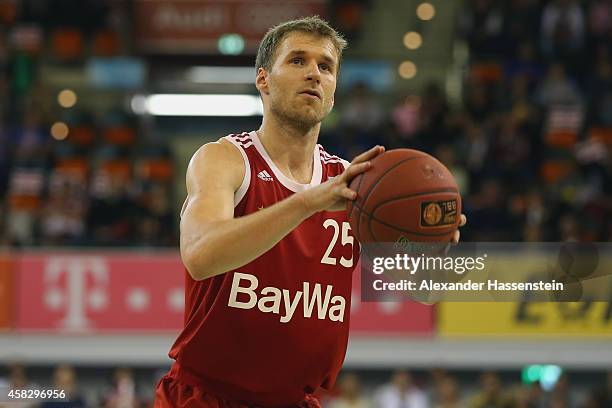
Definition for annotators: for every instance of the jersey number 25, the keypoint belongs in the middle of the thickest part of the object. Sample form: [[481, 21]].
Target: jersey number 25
[[346, 240]]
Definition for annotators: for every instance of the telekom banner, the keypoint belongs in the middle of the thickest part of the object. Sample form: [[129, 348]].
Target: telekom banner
[[132, 292], [195, 26], [82, 292]]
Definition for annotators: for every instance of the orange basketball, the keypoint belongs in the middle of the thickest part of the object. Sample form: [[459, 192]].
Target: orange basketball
[[406, 195]]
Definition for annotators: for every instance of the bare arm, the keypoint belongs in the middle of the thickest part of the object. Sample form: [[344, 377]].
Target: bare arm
[[213, 242]]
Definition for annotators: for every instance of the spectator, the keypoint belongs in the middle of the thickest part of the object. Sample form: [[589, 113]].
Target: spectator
[[536, 211], [401, 393], [18, 380], [448, 396], [123, 394], [569, 228], [157, 219], [603, 397], [64, 378], [481, 24], [528, 396], [447, 156], [524, 65], [479, 103], [31, 140], [490, 214], [558, 88], [437, 376], [491, 394], [360, 118], [560, 396], [361, 113], [599, 24], [511, 152], [111, 214], [600, 92], [608, 386], [474, 149], [24, 198], [406, 115], [433, 115], [63, 215], [350, 393], [563, 29], [521, 23]]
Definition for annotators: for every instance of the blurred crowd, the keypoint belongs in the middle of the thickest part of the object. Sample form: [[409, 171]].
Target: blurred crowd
[[105, 191], [436, 389], [123, 390], [529, 142], [72, 173], [443, 390]]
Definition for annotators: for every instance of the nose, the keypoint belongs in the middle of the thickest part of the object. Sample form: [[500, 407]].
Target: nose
[[312, 72]]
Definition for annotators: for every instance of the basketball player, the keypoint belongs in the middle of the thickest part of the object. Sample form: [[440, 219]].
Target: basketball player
[[266, 242]]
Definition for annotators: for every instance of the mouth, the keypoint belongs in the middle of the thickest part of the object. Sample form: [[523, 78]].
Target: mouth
[[312, 93]]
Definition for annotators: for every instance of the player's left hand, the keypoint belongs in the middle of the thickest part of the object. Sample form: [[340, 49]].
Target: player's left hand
[[463, 221]]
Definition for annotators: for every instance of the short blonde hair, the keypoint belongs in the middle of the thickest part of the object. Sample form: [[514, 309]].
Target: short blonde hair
[[311, 25]]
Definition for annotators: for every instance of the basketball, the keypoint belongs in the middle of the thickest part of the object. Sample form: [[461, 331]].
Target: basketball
[[406, 196]]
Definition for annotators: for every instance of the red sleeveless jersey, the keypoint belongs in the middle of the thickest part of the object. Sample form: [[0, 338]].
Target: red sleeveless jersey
[[275, 329]]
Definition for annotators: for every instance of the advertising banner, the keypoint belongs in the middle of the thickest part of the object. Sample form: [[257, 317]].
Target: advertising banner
[[525, 319], [82, 292], [187, 26], [143, 292]]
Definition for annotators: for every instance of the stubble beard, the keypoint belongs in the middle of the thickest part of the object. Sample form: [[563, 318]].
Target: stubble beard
[[292, 117]]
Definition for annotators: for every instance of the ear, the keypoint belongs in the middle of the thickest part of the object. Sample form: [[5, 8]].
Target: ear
[[261, 80]]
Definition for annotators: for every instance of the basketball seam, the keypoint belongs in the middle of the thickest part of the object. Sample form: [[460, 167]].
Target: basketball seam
[[367, 195], [353, 201], [373, 186]]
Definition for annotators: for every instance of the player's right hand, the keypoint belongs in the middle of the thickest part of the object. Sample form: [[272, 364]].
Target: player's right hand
[[334, 194]]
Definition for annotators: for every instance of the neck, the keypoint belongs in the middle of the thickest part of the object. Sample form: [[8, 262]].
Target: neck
[[289, 146]]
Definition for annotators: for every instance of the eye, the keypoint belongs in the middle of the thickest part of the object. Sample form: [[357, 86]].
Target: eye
[[324, 67], [296, 60]]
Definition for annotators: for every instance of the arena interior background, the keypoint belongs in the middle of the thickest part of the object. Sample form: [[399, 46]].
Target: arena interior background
[[103, 102]]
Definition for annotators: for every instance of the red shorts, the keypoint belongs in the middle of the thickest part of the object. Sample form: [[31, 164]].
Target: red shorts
[[172, 393]]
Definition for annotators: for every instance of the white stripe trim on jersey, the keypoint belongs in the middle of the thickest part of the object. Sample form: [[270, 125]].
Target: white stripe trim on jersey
[[327, 155], [244, 186], [242, 138], [245, 145], [328, 158], [284, 180], [332, 160]]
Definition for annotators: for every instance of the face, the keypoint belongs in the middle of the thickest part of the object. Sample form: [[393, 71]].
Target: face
[[299, 88]]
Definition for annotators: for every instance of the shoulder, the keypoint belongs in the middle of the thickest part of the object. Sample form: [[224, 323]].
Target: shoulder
[[221, 158], [220, 151]]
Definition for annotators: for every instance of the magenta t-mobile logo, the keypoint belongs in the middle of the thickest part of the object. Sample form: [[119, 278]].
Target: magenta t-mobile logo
[[75, 294]]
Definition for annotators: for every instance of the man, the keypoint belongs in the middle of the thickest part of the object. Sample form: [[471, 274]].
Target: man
[[401, 392], [266, 242]]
